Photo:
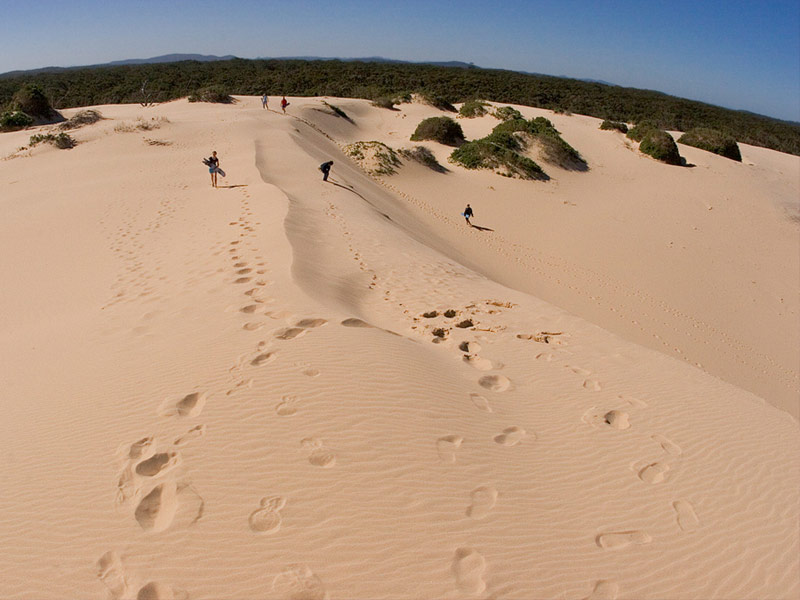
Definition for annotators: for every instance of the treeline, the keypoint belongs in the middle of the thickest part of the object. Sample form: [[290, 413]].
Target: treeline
[[168, 81]]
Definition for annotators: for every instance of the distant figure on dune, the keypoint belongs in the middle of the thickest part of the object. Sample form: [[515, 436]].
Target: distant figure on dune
[[326, 169], [467, 214], [284, 104], [264, 101], [213, 167]]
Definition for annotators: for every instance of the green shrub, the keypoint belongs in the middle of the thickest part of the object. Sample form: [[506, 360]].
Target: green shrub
[[614, 125], [81, 118], [497, 151], [638, 131], [338, 112], [11, 120], [31, 100], [439, 129], [712, 141], [424, 156], [505, 113], [660, 145], [214, 93], [437, 101], [62, 140], [374, 157], [541, 131], [473, 108], [385, 102]]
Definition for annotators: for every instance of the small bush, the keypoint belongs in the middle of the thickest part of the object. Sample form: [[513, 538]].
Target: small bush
[[473, 108], [614, 125], [81, 118], [62, 141], [338, 112], [505, 113], [385, 102], [660, 145], [31, 100], [439, 129], [215, 94], [712, 140], [374, 157], [638, 132], [497, 151], [141, 125], [11, 120], [439, 102], [555, 149], [424, 156]]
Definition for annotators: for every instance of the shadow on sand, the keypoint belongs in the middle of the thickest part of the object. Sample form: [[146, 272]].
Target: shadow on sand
[[345, 187], [479, 228], [230, 187]]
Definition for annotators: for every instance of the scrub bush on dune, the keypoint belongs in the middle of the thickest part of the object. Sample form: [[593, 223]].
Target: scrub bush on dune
[[473, 108], [439, 129], [712, 140], [660, 145], [11, 120], [614, 126], [215, 94]]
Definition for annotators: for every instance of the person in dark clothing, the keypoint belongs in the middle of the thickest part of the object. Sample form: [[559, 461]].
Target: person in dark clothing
[[467, 214], [326, 169], [213, 165]]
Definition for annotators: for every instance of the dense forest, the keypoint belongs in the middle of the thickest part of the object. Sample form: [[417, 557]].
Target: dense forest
[[167, 81]]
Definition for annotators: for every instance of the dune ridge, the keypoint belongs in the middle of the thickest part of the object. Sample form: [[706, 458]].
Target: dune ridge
[[271, 389]]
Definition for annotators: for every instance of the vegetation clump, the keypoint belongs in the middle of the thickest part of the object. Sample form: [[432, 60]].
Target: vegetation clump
[[62, 140], [473, 108], [614, 126], [424, 156], [499, 151], [81, 118], [31, 100], [712, 140], [661, 146], [437, 101], [386, 102], [638, 131], [376, 158], [12, 120], [439, 129], [505, 113], [540, 131], [215, 94], [336, 111]]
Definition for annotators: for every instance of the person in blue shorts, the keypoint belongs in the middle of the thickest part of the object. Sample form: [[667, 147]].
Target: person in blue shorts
[[213, 165], [467, 214]]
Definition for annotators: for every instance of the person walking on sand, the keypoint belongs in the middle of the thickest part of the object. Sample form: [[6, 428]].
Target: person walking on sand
[[467, 214], [284, 104], [264, 101], [213, 165], [326, 169]]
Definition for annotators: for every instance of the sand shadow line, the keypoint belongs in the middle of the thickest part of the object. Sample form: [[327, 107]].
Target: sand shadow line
[[479, 228]]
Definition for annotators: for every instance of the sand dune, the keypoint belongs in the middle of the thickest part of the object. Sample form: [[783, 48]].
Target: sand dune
[[286, 388]]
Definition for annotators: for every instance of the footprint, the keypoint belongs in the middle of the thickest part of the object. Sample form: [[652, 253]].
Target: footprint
[[604, 589], [668, 446], [140, 448], [286, 407], [353, 322], [654, 473], [470, 347], [482, 364], [157, 464], [511, 436], [468, 567], [592, 384], [480, 402], [495, 383], [157, 509], [298, 582], [190, 405], [483, 499], [319, 455], [310, 323], [267, 519], [447, 445], [290, 333], [263, 359], [622, 539], [685, 515], [249, 309], [311, 372], [112, 574], [242, 280], [617, 419], [580, 371], [546, 356], [194, 432], [252, 326], [159, 591]]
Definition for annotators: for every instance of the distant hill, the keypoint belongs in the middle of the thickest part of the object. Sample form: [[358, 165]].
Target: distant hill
[[165, 58], [375, 78]]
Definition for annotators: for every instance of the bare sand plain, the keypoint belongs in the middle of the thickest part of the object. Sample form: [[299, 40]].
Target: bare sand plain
[[234, 392]]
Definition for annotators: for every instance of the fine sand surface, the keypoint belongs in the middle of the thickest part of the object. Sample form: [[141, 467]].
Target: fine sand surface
[[234, 393]]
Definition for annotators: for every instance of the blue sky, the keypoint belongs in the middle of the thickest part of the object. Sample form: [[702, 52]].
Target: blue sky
[[738, 54]]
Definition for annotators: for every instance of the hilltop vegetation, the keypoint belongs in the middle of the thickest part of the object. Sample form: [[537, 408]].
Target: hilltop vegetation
[[168, 81], [712, 141]]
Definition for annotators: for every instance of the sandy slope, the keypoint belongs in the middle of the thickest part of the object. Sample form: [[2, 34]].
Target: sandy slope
[[233, 393]]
